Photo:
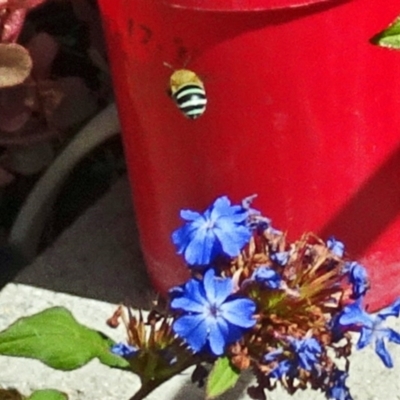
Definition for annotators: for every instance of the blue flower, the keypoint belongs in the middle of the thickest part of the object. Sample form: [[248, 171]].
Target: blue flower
[[211, 317], [123, 350], [307, 352], [335, 246], [372, 328], [220, 230], [267, 276], [284, 368], [358, 277], [337, 330], [273, 354], [338, 389], [304, 354]]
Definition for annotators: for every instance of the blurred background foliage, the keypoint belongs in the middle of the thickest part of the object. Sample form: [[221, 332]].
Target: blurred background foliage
[[53, 79]]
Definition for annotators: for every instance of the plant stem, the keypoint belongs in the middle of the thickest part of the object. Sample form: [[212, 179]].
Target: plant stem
[[150, 385], [144, 391]]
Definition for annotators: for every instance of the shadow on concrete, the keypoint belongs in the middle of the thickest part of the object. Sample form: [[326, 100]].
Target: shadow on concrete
[[97, 257]]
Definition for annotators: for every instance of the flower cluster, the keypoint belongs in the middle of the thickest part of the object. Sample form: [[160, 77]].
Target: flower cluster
[[285, 310]]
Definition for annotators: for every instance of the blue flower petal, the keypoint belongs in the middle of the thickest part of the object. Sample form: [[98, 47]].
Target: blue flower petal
[[175, 291], [187, 304], [391, 311], [383, 354], [393, 336], [193, 291], [235, 215], [221, 206], [182, 237], [193, 329], [335, 246], [216, 289], [272, 355], [313, 345], [189, 215], [353, 315], [338, 390], [239, 312], [268, 276], [232, 240], [200, 248], [218, 332], [307, 351], [123, 350], [234, 333], [306, 362], [285, 367], [365, 339], [358, 277]]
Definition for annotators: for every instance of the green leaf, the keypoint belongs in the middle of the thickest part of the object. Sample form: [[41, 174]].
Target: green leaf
[[54, 337], [222, 377], [390, 37], [48, 394]]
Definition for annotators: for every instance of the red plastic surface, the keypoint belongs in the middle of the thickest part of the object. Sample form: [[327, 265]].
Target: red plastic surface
[[302, 110], [239, 5]]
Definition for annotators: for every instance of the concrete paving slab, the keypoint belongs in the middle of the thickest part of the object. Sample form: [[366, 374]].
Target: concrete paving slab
[[98, 256]]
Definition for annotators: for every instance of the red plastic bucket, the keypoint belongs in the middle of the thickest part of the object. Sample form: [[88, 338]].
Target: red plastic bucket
[[302, 110]]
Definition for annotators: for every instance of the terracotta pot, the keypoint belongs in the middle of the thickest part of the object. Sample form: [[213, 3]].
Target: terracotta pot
[[302, 110]]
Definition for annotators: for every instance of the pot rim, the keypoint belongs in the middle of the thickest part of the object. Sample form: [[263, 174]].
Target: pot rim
[[241, 5]]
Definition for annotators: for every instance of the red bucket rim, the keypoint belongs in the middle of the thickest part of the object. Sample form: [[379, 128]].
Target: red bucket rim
[[241, 5]]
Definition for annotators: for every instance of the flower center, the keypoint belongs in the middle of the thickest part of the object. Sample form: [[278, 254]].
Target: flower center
[[214, 310], [209, 224], [378, 330]]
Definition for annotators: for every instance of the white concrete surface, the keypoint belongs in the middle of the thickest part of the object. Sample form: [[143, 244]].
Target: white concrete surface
[[96, 257]]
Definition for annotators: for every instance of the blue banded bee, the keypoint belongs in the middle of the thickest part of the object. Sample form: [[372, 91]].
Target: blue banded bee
[[187, 90]]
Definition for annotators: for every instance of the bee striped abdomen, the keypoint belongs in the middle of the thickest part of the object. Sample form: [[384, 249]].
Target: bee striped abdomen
[[191, 100], [187, 91]]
